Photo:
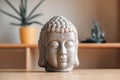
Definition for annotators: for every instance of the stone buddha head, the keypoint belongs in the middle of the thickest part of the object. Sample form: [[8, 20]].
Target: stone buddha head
[[58, 45]]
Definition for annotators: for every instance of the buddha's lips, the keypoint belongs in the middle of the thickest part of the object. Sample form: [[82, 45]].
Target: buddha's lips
[[62, 58]]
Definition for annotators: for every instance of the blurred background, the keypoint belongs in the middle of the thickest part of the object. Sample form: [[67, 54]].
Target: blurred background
[[81, 13]]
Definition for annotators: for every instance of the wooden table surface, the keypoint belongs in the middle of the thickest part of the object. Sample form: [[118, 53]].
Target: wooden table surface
[[78, 74]]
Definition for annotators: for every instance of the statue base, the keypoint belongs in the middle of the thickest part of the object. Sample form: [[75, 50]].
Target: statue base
[[93, 41]]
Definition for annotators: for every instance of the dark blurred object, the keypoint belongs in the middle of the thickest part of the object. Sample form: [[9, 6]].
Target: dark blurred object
[[97, 35]]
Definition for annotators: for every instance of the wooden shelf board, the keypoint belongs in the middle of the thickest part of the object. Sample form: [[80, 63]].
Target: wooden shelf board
[[81, 45], [99, 45], [18, 45]]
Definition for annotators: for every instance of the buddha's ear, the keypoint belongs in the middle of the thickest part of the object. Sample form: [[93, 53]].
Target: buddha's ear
[[41, 61], [76, 62]]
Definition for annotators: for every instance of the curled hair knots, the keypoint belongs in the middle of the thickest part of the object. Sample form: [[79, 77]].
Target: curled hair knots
[[59, 24]]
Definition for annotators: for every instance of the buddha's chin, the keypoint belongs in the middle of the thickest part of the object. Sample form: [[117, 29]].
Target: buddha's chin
[[62, 65]]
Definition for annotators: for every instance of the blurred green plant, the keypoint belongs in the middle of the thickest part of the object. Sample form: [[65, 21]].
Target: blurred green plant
[[22, 12]]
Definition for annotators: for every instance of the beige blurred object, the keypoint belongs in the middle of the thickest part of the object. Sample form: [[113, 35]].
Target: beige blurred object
[[58, 45]]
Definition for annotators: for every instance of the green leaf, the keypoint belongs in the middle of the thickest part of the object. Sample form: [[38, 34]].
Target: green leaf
[[34, 16], [36, 22], [21, 11], [10, 14], [12, 7], [36, 7], [25, 7], [16, 24]]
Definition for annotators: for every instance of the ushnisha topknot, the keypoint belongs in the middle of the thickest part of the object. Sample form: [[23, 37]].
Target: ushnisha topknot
[[59, 24]]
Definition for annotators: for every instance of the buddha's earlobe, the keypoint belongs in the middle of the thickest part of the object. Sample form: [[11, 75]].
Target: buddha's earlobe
[[41, 61], [76, 62]]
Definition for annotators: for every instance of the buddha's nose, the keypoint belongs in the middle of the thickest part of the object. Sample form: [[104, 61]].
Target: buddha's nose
[[62, 50]]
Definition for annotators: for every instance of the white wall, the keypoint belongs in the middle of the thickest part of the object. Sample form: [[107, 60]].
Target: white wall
[[81, 13], [107, 13]]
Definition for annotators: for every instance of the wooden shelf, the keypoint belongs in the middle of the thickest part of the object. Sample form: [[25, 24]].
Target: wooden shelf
[[18, 46], [99, 45], [29, 52], [81, 45], [29, 49]]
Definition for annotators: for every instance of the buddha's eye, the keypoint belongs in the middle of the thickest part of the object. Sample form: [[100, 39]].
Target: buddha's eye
[[53, 45], [69, 44]]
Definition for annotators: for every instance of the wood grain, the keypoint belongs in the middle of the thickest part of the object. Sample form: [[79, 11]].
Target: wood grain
[[78, 74], [99, 45], [18, 45], [81, 45]]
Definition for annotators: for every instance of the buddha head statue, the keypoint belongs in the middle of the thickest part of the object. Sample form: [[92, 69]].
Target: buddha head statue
[[58, 45]]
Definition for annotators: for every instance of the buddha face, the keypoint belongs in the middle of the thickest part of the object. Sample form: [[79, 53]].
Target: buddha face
[[61, 51]]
